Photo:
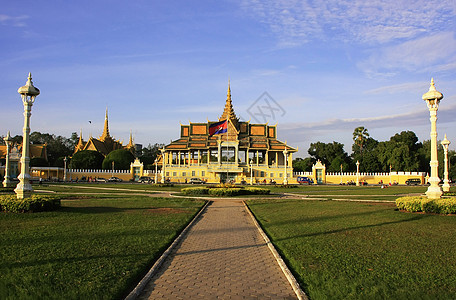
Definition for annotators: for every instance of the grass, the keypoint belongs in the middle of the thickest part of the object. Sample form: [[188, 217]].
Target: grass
[[350, 250], [95, 247]]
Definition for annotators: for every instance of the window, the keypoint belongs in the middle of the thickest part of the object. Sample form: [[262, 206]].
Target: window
[[280, 175], [184, 174], [271, 175], [193, 173], [203, 173], [174, 174], [167, 173], [262, 174]]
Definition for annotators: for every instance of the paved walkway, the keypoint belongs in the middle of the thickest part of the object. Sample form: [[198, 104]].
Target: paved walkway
[[223, 256]]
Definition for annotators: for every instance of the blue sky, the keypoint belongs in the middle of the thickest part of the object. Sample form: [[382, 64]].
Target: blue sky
[[327, 66]]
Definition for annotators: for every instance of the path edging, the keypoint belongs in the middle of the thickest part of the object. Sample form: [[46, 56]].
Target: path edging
[[291, 279], [142, 284]]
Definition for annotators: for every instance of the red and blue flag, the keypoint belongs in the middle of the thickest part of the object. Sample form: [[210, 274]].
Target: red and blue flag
[[218, 128]]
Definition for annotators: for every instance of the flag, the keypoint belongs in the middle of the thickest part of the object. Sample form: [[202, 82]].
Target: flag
[[218, 128]]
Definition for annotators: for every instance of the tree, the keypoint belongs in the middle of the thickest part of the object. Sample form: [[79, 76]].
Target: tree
[[86, 159], [402, 152], [330, 154], [303, 165], [149, 154], [122, 159], [368, 158], [57, 146], [360, 135]]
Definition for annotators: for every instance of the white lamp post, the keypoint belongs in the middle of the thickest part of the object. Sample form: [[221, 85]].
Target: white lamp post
[[432, 98], [156, 175], [163, 166], [341, 169], [28, 94], [251, 172], [357, 173], [9, 142], [390, 174], [285, 179], [446, 183], [65, 169]]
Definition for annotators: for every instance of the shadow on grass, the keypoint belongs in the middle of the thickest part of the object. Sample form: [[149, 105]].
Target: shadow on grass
[[414, 218]]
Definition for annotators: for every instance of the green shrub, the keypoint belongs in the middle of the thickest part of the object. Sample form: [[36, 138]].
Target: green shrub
[[36, 203], [417, 204], [122, 159], [257, 191], [195, 191], [7, 189], [86, 159], [225, 192]]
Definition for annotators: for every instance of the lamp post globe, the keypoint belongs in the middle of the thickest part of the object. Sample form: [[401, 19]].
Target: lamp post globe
[[28, 94], [432, 98], [446, 182]]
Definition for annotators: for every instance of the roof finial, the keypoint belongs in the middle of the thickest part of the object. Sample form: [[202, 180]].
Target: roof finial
[[228, 112], [105, 134]]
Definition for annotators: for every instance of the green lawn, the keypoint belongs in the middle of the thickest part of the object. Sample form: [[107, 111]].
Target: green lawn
[[92, 248], [350, 250]]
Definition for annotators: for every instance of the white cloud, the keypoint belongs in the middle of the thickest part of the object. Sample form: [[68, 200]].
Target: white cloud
[[13, 21], [425, 54], [372, 22]]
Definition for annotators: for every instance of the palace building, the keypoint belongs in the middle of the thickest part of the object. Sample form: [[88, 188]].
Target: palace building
[[105, 143], [241, 153]]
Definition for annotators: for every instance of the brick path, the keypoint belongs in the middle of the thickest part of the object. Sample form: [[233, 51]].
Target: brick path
[[223, 256]]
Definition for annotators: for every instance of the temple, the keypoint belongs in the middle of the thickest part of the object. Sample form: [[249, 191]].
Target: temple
[[245, 153], [105, 143]]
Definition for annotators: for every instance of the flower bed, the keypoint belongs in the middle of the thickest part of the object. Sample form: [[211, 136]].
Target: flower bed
[[225, 191]]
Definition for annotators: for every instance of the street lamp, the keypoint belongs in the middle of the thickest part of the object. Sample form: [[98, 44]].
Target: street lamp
[[9, 142], [390, 173], [28, 94], [285, 179], [432, 98], [357, 173], [65, 169], [446, 183], [251, 172], [156, 175], [163, 166], [341, 169]]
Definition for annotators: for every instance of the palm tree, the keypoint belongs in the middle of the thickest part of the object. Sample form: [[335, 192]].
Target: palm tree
[[360, 136]]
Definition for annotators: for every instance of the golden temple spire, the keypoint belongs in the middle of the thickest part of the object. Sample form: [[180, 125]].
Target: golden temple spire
[[105, 134], [80, 144], [228, 112]]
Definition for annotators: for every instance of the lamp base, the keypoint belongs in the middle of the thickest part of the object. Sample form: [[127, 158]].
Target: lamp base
[[434, 192]]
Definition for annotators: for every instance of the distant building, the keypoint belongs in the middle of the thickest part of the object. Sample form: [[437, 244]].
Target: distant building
[[243, 152], [36, 151], [105, 144]]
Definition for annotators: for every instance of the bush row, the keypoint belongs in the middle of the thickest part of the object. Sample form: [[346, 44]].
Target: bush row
[[221, 192], [36, 203], [417, 204]]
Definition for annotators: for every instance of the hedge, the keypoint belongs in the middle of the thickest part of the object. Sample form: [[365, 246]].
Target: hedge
[[36, 203], [423, 204], [224, 192]]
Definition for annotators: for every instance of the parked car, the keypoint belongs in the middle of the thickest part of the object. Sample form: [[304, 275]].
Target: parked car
[[145, 179], [413, 181], [196, 181], [99, 179], [305, 180], [115, 179]]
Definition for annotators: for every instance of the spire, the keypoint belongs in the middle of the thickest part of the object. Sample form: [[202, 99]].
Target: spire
[[228, 112], [130, 142], [105, 134], [80, 144]]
